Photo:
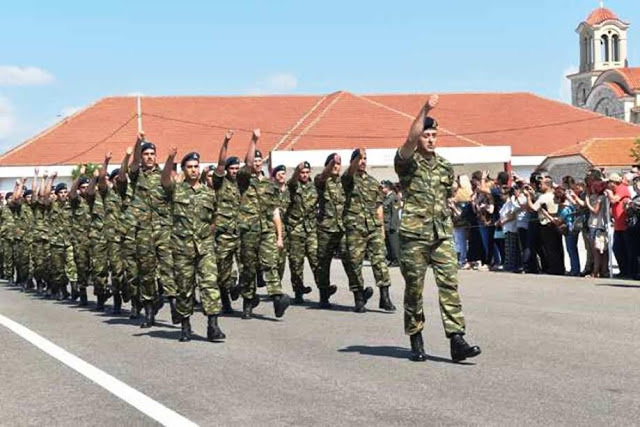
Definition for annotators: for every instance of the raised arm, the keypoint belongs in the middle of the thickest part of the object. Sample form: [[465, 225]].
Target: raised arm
[[73, 191], [166, 178], [326, 172], [222, 157], [102, 175], [137, 153], [91, 188], [410, 145], [124, 166], [251, 151], [293, 181], [34, 183], [353, 166]]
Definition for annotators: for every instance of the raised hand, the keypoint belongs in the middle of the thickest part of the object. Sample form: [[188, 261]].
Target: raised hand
[[432, 102], [96, 173], [173, 151], [108, 156], [228, 135], [83, 169], [36, 171], [256, 133], [140, 138], [54, 175], [129, 151]]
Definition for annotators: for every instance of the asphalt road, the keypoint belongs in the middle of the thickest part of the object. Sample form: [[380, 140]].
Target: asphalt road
[[555, 351]]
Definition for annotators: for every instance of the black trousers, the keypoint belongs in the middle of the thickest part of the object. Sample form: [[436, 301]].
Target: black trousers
[[552, 250]]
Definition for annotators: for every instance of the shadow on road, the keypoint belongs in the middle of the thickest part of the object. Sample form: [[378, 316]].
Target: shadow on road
[[620, 285], [394, 352], [345, 308], [169, 335]]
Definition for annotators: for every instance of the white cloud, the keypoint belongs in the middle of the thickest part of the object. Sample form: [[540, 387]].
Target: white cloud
[[565, 86], [275, 84], [7, 118], [11, 75]]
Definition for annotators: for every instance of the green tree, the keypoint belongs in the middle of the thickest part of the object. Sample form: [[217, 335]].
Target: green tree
[[89, 173], [635, 151]]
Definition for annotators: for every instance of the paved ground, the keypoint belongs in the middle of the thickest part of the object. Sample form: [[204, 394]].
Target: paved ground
[[555, 351]]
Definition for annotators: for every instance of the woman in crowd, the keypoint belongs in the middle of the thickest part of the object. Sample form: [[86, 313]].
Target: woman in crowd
[[461, 209], [598, 206]]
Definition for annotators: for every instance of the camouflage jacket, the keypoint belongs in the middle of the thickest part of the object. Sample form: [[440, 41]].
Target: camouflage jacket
[[150, 203], [228, 199], [7, 222], [426, 187], [59, 220], [301, 212], [194, 211], [114, 212], [81, 214], [40, 220], [258, 201], [363, 197], [330, 204], [284, 200]]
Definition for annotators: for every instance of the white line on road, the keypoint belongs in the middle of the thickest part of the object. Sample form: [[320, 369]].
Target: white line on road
[[133, 397]]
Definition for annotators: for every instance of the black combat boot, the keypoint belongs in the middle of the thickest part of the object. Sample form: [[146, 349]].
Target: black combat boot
[[247, 308], [100, 298], [135, 308], [226, 302], [361, 297], [74, 291], [157, 304], [417, 348], [175, 317], [300, 293], [185, 332], [280, 304], [234, 292], [325, 294], [461, 350], [117, 303], [214, 333], [84, 301], [385, 300], [149, 318]]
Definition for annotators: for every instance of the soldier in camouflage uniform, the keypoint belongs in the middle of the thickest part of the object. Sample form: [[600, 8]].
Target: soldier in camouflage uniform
[[365, 231], [80, 228], [301, 228], [261, 233], [194, 209], [331, 239], [278, 175], [23, 217], [41, 249], [6, 230], [426, 236], [226, 233], [152, 210]]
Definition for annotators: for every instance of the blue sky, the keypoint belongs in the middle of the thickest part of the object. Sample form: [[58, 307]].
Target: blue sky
[[81, 51]]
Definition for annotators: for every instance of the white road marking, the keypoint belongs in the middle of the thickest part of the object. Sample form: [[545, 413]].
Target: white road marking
[[133, 397]]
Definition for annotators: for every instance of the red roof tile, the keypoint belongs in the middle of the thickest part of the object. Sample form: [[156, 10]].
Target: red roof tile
[[601, 151], [631, 77], [531, 125], [600, 15], [617, 90]]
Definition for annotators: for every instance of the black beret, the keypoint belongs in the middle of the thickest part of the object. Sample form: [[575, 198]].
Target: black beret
[[258, 153], [386, 183], [231, 161], [8, 195], [28, 192], [83, 180], [279, 168], [430, 123], [114, 173], [188, 157], [306, 165], [355, 154], [60, 187], [329, 158], [148, 146]]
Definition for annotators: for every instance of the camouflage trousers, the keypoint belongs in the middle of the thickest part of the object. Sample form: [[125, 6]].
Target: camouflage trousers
[[7, 259], [129, 263], [41, 260], [155, 262], [258, 249], [330, 243], [226, 250], [63, 267], [99, 262], [22, 259], [82, 255], [359, 244], [116, 265], [415, 256], [196, 265], [282, 256], [302, 244]]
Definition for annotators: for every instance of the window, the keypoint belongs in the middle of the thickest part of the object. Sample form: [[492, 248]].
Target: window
[[604, 48], [615, 47]]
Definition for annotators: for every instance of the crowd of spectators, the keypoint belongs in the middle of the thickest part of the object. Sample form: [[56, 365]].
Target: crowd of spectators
[[518, 225]]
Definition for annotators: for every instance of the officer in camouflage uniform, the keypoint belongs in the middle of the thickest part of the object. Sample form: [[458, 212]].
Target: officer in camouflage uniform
[[278, 175], [330, 226], [426, 236], [152, 210], [261, 233], [194, 209], [364, 231], [6, 229], [224, 182], [301, 228], [80, 228]]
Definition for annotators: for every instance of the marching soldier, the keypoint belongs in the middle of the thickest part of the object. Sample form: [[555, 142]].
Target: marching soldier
[[426, 236], [278, 174], [261, 233], [365, 231], [301, 228], [80, 224], [194, 209]]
